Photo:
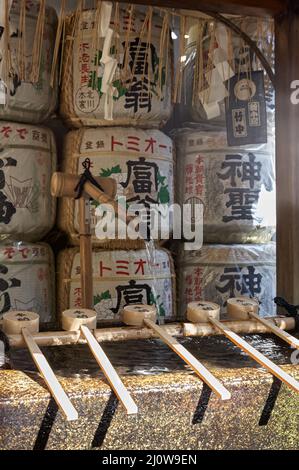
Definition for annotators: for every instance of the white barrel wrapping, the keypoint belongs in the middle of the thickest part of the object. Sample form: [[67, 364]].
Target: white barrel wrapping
[[24, 101], [235, 185], [135, 96], [27, 279], [120, 278], [218, 272], [239, 55], [27, 161], [140, 161]]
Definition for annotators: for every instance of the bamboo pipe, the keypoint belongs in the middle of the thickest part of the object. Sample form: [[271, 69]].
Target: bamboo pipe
[[63, 338], [49, 377], [85, 254], [257, 356], [110, 373], [63, 185]]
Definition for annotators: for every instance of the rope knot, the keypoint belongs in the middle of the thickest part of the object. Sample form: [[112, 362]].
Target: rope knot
[[86, 176]]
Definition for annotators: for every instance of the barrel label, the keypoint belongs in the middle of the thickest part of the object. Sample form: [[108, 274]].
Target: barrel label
[[217, 283], [138, 87], [26, 280], [126, 278], [27, 162]]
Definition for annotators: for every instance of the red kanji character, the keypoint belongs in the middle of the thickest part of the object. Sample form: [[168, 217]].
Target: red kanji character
[[103, 269], [133, 143], [189, 169], [140, 266], [22, 133], [42, 274], [114, 143], [24, 252], [9, 252], [151, 142], [6, 131], [199, 160], [122, 265]]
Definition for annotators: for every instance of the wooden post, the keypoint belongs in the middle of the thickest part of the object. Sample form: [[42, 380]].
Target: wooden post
[[287, 153], [85, 254]]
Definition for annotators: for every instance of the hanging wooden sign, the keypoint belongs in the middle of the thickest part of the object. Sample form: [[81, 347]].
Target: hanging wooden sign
[[246, 118]]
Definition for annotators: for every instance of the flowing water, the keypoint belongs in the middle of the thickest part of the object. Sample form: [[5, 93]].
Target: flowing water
[[151, 258], [146, 357]]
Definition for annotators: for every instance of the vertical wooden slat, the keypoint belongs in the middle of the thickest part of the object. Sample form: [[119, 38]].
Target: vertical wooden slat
[[85, 254], [287, 154]]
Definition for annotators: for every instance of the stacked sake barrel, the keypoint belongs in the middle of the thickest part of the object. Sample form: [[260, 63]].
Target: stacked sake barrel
[[236, 188], [116, 93], [120, 278], [27, 162]]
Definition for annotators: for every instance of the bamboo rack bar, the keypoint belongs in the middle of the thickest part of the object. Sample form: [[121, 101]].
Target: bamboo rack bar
[[63, 338], [240, 327]]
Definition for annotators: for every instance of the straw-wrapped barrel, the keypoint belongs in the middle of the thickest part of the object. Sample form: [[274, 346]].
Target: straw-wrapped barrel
[[236, 186], [120, 278], [141, 163], [115, 70], [26, 94], [27, 279], [27, 161], [218, 272]]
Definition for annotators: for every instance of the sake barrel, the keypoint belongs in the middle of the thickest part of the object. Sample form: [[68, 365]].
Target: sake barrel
[[20, 99], [230, 55], [118, 76], [140, 161], [120, 278], [218, 272], [236, 186], [27, 161], [27, 279]]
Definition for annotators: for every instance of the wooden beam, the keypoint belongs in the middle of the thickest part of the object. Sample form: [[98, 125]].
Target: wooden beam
[[233, 7], [287, 154]]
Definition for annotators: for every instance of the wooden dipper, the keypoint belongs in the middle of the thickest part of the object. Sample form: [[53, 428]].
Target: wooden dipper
[[138, 315]]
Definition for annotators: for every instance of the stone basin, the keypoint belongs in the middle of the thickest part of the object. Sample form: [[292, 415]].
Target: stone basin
[[176, 411]]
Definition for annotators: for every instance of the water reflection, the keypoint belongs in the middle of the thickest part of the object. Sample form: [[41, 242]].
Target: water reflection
[[149, 357]]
